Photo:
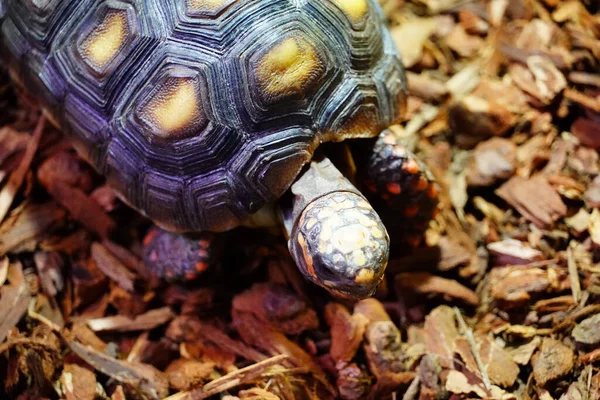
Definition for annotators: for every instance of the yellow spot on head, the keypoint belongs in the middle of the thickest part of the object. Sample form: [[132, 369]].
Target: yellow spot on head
[[207, 5], [364, 276], [291, 67], [103, 43], [359, 258], [174, 108], [350, 238], [356, 10]]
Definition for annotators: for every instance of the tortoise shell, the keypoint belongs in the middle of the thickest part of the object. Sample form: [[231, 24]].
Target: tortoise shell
[[199, 112]]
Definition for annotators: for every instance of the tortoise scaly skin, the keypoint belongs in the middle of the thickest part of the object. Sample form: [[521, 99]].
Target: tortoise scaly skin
[[201, 112]]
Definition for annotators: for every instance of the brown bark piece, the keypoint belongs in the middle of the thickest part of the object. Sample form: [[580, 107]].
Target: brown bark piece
[[535, 199], [14, 301], [30, 223], [425, 283], [10, 189], [462, 43], [492, 161], [426, 87], [383, 348], [140, 378], [256, 333], [586, 130], [185, 374], [587, 332], [65, 177], [347, 332], [500, 368], [256, 394], [352, 382], [372, 310], [513, 252], [112, 267], [277, 306], [78, 383], [122, 323], [441, 334], [522, 354], [553, 361], [514, 287], [473, 119], [389, 382]]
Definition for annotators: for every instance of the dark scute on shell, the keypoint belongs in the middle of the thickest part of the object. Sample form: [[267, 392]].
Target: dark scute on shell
[[224, 135]]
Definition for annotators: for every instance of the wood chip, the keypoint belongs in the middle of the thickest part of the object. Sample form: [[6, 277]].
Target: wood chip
[[141, 379], [535, 199], [112, 267], [425, 283], [553, 361], [9, 191], [121, 323]]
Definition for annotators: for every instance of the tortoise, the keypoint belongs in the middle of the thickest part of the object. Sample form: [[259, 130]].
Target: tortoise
[[202, 113]]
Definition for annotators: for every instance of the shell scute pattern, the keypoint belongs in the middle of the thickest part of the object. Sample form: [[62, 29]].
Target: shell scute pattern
[[200, 111]]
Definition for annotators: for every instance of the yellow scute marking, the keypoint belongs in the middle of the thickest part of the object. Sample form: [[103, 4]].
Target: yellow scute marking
[[354, 9], [174, 108], [289, 67], [105, 41], [210, 5]]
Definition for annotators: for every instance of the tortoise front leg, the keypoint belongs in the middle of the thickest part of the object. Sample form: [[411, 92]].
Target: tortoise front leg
[[399, 185], [336, 238]]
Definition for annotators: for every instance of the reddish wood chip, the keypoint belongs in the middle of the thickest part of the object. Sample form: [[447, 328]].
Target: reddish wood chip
[[514, 286], [535, 199], [256, 333], [256, 394], [142, 379], [66, 178], [347, 332], [383, 348], [122, 323], [441, 334], [352, 382], [279, 307], [28, 225], [553, 361], [473, 119], [78, 383], [390, 382], [112, 267], [586, 130], [492, 161], [500, 367], [425, 283], [513, 252], [185, 374]]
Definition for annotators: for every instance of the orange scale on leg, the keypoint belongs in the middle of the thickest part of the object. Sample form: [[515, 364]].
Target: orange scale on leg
[[433, 191], [202, 253], [411, 167], [201, 266], [394, 188], [151, 235], [421, 184], [411, 211]]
